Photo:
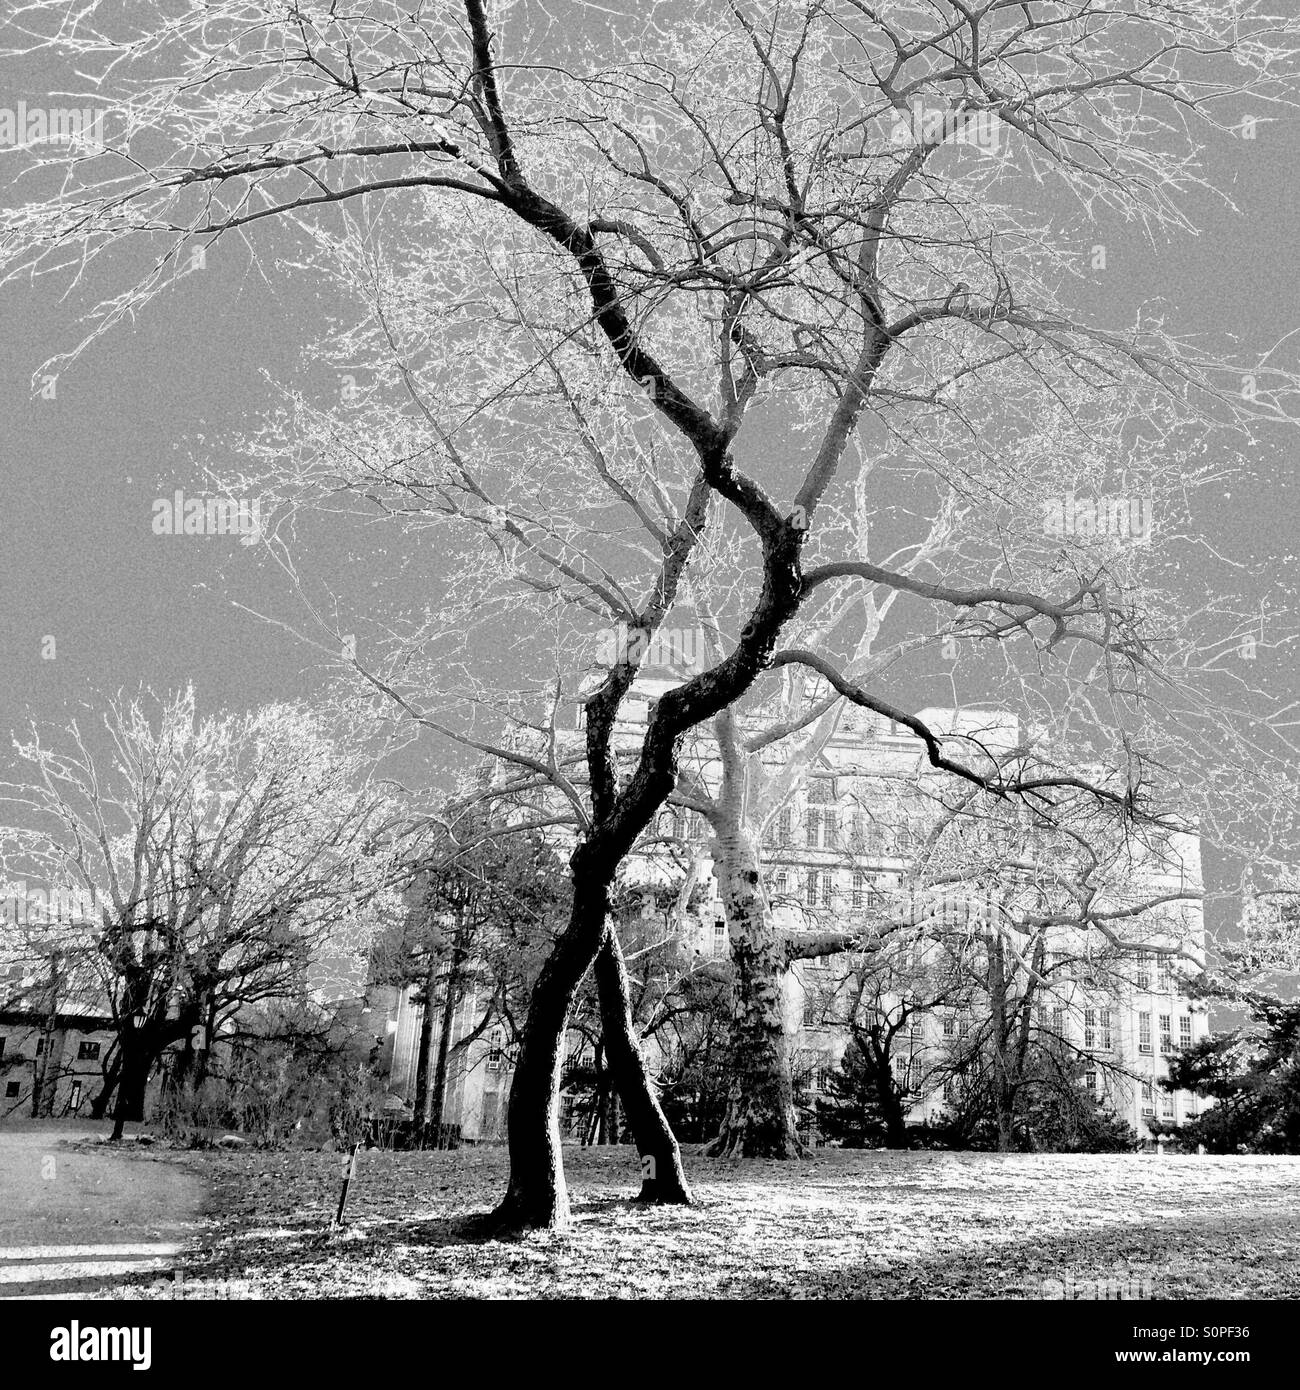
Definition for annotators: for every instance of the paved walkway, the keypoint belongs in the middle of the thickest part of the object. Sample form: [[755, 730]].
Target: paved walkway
[[74, 1223]]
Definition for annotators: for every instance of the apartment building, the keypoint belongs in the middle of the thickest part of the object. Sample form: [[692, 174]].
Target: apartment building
[[853, 850]]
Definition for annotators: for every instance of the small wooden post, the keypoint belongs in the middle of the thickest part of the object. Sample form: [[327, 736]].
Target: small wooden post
[[349, 1172]]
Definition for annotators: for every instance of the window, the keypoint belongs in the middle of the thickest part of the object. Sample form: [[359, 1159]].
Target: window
[[812, 828], [1185, 1030], [1058, 1021], [1143, 976], [821, 791], [1148, 1099], [1166, 1036], [1090, 1028], [827, 889], [964, 1027], [903, 839], [859, 887], [1165, 974], [11, 1089], [809, 1011], [810, 887], [782, 882], [496, 1051], [949, 1090], [1144, 1032], [74, 1100], [1167, 1104], [88, 1052], [1090, 1080], [719, 938], [785, 827], [823, 1079], [949, 1026], [1105, 1040]]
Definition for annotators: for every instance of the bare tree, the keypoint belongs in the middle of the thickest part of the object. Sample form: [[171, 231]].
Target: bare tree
[[225, 857], [726, 223]]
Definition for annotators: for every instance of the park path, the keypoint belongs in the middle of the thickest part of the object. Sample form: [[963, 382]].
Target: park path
[[75, 1222]]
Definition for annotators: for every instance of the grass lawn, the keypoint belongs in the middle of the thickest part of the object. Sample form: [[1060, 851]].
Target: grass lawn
[[838, 1225]]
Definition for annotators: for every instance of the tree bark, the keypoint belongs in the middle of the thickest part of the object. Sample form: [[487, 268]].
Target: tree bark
[[425, 1049], [1003, 1090], [437, 1105], [47, 1070], [133, 1080], [662, 1176], [537, 1196], [99, 1106], [760, 1121]]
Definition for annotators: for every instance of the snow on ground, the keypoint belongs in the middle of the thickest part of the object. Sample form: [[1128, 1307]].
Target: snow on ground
[[837, 1225]]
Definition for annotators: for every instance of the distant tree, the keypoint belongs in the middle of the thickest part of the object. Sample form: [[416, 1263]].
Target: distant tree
[[1253, 1075], [865, 1106], [228, 859]]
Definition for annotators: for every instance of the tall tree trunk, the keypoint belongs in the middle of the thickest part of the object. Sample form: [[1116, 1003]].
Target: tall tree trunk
[[47, 1068], [662, 1176], [1003, 1090], [537, 1195], [760, 1121], [437, 1107], [203, 1053], [424, 1051], [438, 1090]]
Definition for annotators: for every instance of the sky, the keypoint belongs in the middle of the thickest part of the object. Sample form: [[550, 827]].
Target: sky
[[93, 600]]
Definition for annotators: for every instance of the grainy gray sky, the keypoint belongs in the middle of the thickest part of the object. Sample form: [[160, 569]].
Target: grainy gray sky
[[79, 473]]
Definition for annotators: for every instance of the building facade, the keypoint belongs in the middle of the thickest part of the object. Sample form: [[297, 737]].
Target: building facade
[[868, 846]]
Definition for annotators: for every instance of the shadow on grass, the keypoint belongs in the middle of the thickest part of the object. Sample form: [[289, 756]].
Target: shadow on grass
[[1216, 1257]]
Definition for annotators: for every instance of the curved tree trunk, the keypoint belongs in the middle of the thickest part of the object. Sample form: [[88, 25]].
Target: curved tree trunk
[[537, 1195], [662, 1176]]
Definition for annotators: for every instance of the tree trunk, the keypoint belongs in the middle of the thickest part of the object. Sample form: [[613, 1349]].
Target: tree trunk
[[422, 1098], [203, 1055], [662, 1176], [1003, 1090], [47, 1068], [760, 1121], [133, 1079], [891, 1108], [437, 1107], [537, 1195], [99, 1106]]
